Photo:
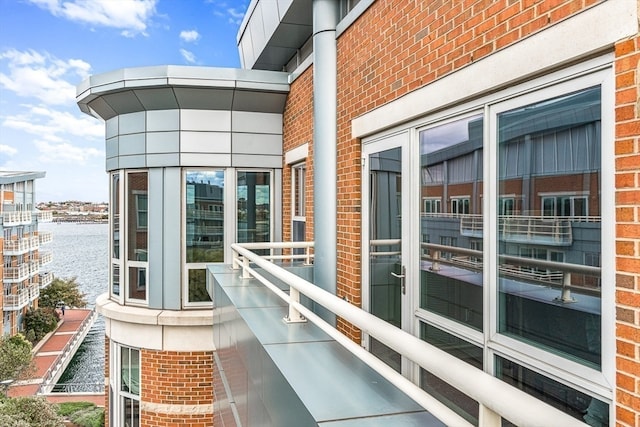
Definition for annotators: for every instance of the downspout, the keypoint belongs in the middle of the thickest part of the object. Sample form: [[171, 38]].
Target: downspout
[[325, 19]]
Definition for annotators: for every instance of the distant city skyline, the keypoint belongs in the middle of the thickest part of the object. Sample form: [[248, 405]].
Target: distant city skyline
[[47, 47]]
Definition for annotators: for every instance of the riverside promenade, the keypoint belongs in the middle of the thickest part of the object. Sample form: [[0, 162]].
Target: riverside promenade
[[51, 357]]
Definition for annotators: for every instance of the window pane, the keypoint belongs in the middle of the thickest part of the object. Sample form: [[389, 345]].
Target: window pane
[[137, 216], [204, 216], [254, 207], [451, 271], [579, 405], [463, 350], [115, 212], [553, 306], [137, 283], [115, 280], [198, 286]]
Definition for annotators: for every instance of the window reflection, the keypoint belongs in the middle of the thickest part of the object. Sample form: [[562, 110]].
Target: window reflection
[[204, 216], [451, 220], [549, 168], [254, 206], [137, 234]]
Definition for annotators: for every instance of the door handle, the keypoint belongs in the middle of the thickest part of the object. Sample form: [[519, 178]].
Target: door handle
[[401, 276]]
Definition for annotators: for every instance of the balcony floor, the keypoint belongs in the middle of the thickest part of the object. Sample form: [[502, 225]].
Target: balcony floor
[[282, 374]]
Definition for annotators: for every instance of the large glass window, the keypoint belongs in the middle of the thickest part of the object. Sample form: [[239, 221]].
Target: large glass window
[[254, 207], [451, 169], [129, 387], [549, 157], [519, 233], [298, 189], [114, 211], [137, 235], [204, 228]]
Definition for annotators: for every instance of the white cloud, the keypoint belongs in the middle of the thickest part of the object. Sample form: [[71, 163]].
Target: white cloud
[[189, 36], [65, 153], [233, 15], [188, 56], [54, 125], [7, 150], [40, 75], [131, 16]]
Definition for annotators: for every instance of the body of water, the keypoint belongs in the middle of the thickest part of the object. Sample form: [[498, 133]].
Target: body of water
[[80, 251]]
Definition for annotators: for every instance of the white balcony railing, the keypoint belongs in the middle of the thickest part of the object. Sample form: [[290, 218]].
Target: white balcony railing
[[34, 268], [45, 258], [497, 400], [45, 216], [34, 291], [35, 242], [45, 237], [10, 219], [17, 246], [16, 274], [16, 301], [45, 279]]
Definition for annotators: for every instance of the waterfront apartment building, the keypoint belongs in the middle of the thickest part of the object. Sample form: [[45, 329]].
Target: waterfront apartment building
[[468, 172], [21, 243]]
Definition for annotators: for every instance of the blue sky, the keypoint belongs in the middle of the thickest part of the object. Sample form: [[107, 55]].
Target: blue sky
[[47, 47]]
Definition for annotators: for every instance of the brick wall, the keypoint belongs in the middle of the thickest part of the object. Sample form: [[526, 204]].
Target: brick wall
[[397, 47], [298, 130], [177, 378], [627, 150]]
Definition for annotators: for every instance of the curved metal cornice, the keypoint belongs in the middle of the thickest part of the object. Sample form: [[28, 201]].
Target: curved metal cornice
[[168, 87]]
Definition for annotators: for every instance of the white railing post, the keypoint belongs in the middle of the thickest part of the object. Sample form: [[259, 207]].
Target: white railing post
[[488, 418], [565, 295], [245, 268], [294, 315]]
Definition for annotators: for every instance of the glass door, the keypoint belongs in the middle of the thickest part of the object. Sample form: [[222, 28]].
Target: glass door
[[384, 264]]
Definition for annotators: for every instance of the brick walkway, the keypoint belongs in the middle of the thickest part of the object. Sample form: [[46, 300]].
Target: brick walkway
[[50, 352]]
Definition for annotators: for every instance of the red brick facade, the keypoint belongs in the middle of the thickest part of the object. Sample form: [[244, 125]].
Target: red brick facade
[[397, 47], [627, 152]]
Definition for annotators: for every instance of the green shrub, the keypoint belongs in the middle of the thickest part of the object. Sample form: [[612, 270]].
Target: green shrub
[[84, 414]]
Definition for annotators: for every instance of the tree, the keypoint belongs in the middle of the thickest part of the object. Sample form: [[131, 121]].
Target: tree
[[65, 290], [16, 361], [29, 411], [39, 322]]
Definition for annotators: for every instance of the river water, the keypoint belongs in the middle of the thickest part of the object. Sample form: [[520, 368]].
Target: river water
[[80, 251]]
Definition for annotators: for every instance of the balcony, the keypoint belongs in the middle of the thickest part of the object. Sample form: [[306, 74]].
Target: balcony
[[45, 237], [34, 291], [34, 268], [13, 247], [16, 274], [10, 219], [266, 333], [45, 279], [540, 230], [45, 216], [44, 258], [16, 301]]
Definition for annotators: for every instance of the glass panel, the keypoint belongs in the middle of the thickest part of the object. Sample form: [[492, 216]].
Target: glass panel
[[131, 409], [385, 221], [125, 369], [579, 405], [115, 218], [451, 269], [137, 283], [551, 305], [463, 350], [198, 286], [135, 371], [254, 207], [115, 280], [205, 216], [137, 215]]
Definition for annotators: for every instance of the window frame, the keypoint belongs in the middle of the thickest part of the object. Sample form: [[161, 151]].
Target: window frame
[[226, 212], [597, 383]]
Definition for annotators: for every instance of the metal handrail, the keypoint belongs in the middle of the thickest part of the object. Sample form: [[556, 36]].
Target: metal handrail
[[496, 398]]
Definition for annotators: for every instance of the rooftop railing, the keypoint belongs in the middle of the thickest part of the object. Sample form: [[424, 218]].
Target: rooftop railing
[[497, 400]]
